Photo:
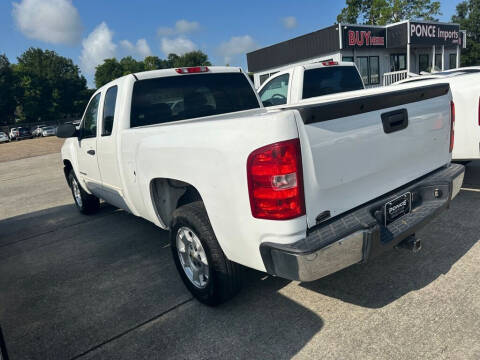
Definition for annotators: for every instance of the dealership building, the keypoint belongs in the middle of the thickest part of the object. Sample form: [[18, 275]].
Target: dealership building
[[383, 54]]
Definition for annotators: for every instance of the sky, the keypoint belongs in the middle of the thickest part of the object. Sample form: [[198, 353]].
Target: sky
[[89, 31]]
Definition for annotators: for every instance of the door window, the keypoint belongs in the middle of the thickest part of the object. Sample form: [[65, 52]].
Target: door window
[[89, 123], [362, 64], [398, 62], [423, 62], [374, 70], [109, 110], [438, 61], [452, 61], [369, 69], [275, 92]]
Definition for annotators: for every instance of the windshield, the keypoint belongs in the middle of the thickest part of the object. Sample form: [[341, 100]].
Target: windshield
[[174, 98], [330, 80]]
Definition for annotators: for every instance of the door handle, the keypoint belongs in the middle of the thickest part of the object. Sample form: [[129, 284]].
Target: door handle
[[91, 152]]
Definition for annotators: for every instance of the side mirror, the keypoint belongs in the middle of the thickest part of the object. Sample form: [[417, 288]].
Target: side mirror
[[67, 131]]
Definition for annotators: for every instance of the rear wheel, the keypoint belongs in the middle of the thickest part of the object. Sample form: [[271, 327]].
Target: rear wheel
[[86, 203], [200, 261]]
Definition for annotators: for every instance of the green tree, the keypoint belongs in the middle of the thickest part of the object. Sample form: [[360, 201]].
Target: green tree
[[108, 71], [468, 16], [351, 12], [154, 63], [7, 91], [193, 58], [172, 60], [130, 65], [381, 12], [49, 85]]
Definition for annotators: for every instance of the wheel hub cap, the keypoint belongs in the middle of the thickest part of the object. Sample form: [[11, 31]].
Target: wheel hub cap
[[192, 257], [76, 193]]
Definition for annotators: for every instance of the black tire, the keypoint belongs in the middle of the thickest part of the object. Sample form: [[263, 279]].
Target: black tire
[[89, 203], [225, 277]]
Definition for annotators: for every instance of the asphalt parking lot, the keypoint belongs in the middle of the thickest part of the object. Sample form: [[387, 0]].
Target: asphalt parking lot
[[105, 286]]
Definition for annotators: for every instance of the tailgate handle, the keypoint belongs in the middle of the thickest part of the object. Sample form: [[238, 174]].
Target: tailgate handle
[[394, 120]]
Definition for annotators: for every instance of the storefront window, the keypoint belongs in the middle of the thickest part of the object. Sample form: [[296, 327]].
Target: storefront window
[[452, 61], [438, 61], [362, 64], [369, 69], [347, 58], [423, 62], [374, 70], [398, 62]]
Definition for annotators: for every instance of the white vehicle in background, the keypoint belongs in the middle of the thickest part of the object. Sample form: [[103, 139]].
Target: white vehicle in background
[[465, 88], [37, 130], [13, 134], [303, 84], [299, 193], [49, 131], [4, 137]]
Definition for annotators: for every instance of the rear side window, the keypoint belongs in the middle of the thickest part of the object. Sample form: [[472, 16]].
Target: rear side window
[[330, 80], [167, 99], [109, 110]]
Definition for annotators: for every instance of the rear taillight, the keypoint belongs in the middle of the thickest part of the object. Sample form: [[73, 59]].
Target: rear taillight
[[192, 70], [275, 182], [452, 125]]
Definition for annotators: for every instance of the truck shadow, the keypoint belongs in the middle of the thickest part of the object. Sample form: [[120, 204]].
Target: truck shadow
[[381, 281], [69, 283], [472, 175]]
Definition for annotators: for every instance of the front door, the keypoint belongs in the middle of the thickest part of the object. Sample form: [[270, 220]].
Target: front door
[[87, 147]]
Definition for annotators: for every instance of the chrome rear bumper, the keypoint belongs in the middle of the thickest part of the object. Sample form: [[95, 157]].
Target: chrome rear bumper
[[361, 233]]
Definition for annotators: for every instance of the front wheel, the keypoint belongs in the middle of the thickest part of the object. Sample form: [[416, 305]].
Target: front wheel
[[86, 203], [199, 259]]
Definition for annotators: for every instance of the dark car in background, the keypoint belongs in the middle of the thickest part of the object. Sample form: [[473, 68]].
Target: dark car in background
[[23, 133]]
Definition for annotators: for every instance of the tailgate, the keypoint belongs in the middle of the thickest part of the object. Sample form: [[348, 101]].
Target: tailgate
[[356, 150]]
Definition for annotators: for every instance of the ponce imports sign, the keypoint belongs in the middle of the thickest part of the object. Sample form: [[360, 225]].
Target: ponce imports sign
[[435, 34]]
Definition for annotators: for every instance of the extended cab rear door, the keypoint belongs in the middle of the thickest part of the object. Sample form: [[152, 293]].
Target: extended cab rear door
[[107, 148]]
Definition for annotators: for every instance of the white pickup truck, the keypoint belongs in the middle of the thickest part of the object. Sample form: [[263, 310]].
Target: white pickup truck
[[465, 87], [298, 193], [303, 84]]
